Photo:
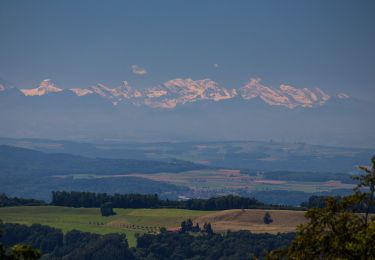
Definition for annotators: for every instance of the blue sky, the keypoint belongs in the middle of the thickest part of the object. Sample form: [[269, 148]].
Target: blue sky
[[329, 44]]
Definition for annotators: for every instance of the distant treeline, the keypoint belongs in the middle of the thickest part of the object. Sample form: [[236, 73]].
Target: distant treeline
[[8, 202], [95, 200], [53, 244], [319, 202]]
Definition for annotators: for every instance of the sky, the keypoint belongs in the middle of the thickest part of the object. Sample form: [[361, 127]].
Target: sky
[[326, 44]]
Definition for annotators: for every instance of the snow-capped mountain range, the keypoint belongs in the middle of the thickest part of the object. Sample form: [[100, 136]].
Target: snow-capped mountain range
[[176, 92], [186, 109]]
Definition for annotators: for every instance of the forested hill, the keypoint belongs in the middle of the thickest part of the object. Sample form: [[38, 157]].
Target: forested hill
[[15, 160]]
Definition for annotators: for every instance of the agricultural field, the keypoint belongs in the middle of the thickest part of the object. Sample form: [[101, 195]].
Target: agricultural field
[[128, 221], [171, 178], [252, 220], [267, 187], [224, 179], [133, 221]]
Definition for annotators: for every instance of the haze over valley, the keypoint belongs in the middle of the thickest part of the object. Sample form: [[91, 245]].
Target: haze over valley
[[200, 129]]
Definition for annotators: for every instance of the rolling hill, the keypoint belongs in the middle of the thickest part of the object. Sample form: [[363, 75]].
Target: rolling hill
[[132, 221], [14, 161]]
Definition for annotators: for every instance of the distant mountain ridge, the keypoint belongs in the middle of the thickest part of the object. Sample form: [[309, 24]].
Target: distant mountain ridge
[[21, 161], [186, 109], [177, 92]]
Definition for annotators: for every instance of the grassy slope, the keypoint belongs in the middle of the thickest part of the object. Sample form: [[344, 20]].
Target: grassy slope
[[252, 219], [128, 221], [132, 221]]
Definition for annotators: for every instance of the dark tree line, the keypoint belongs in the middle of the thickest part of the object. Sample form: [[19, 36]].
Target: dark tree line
[[188, 226], [317, 202], [53, 244], [320, 202], [17, 251], [39, 236], [8, 201], [221, 203], [95, 200], [232, 245]]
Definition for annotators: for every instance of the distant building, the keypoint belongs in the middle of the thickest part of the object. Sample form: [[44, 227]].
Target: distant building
[[174, 229]]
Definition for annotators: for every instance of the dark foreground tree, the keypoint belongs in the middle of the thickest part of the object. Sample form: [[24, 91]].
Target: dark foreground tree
[[338, 231], [19, 252]]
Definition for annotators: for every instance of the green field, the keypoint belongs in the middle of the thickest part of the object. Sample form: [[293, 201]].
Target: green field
[[224, 179], [128, 221]]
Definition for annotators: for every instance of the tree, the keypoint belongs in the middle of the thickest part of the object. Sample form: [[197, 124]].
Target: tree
[[19, 252], [338, 231], [315, 202], [267, 218], [2, 252], [196, 228], [24, 252], [186, 226], [107, 209], [207, 228]]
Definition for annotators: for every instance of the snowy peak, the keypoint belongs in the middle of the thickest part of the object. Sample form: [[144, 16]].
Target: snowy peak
[[285, 95], [81, 91], [126, 91], [305, 97], [45, 87], [191, 90], [271, 96], [115, 95], [181, 91]]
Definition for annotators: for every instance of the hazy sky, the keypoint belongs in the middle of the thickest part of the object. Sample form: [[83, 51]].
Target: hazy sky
[[329, 44]]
